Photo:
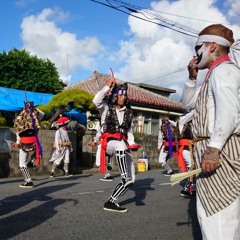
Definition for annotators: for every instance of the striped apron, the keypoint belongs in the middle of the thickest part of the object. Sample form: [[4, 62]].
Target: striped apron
[[219, 189]]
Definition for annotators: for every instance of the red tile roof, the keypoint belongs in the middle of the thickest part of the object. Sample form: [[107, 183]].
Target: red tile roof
[[135, 94]]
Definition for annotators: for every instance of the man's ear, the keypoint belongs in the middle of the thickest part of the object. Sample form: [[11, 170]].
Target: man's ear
[[213, 47]]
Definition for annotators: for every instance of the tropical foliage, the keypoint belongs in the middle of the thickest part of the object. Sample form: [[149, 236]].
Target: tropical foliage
[[20, 70]]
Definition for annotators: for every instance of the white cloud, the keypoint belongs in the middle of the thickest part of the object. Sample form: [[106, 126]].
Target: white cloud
[[234, 10], [151, 54], [154, 51], [42, 37], [24, 3]]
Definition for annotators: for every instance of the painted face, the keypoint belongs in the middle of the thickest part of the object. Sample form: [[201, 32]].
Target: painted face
[[202, 52], [121, 99]]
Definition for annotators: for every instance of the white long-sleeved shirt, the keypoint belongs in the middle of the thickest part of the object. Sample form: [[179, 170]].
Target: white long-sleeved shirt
[[184, 120], [102, 107], [61, 135], [223, 102], [98, 135]]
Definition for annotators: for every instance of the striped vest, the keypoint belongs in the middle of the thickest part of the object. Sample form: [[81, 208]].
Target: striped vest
[[219, 189]]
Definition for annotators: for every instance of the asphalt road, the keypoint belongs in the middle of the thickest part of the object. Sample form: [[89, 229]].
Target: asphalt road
[[72, 208]]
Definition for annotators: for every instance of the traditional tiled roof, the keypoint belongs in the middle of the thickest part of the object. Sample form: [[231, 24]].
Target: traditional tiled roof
[[135, 94]]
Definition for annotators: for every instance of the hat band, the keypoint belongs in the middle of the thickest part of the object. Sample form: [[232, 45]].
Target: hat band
[[213, 38], [120, 92]]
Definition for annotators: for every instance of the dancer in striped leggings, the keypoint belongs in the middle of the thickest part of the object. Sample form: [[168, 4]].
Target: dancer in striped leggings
[[116, 126], [26, 125]]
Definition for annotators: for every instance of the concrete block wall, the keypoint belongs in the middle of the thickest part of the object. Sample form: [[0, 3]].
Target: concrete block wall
[[9, 155], [83, 156]]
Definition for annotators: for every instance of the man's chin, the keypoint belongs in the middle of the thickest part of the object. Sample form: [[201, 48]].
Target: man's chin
[[201, 67], [120, 105]]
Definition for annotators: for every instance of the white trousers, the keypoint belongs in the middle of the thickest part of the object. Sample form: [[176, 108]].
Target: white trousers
[[23, 157], [224, 225], [114, 146], [187, 158], [98, 155], [163, 156]]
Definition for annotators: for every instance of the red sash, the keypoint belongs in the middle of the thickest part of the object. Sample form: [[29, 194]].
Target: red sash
[[32, 140], [167, 144], [181, 162], [175, 152]]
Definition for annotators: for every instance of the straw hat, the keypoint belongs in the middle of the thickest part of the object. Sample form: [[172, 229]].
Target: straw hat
[[62, 121]]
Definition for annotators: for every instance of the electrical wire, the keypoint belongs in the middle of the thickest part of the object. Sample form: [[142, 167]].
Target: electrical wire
[[152, 16], [171, 25], [170, 14], [167, 77]]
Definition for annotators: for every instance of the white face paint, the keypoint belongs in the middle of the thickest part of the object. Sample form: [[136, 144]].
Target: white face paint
[[202, 52]]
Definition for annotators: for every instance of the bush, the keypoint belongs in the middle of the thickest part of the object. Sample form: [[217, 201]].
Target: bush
[[45, 124], [3, 122]]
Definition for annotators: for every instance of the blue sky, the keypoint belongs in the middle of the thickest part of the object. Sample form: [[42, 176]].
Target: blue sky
[[81, 36]]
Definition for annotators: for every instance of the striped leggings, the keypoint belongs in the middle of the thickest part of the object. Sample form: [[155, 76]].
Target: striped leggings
[[23, 158], [125, 165]]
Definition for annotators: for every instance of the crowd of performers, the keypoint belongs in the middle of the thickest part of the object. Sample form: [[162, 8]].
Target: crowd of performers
[[212, 124], [27, 124]]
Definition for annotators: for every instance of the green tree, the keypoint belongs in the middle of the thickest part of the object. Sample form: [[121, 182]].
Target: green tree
[[67, 100], [20, 70]]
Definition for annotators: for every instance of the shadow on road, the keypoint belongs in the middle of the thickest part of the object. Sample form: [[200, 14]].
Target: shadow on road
[[140, 188], [20, 222]]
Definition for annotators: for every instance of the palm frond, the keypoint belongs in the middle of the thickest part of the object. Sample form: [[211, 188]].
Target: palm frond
[[178, 177]]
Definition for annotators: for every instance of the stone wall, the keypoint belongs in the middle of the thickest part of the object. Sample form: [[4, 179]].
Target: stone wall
[[82, 158], [9, 155]]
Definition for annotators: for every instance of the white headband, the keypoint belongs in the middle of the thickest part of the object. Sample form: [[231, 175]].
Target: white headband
[[120, 92], [213, 38], [234, 52]]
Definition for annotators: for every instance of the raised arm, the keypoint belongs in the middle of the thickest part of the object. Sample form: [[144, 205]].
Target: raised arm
[[190, 92], [98, 98]]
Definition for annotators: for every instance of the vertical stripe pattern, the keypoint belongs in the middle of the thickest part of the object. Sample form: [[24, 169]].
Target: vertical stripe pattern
[[219, 189], [121, 160], [122, 164], [117, 192]]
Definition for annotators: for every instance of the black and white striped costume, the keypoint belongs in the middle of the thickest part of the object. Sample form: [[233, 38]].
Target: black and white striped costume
[[117, 120]]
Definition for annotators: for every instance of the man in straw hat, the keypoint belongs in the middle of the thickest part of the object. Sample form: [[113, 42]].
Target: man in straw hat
[[216, 120], [62, 147], [116, 126]]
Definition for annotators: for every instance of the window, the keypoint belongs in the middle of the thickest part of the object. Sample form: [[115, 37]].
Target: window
[[146, 122]]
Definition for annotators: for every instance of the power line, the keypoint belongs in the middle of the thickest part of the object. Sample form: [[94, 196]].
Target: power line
[[152, 17], [167, 23], [171, 14], [164, 77]]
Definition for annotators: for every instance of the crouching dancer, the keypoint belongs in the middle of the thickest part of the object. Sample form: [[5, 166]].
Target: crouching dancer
[[116, 126]]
